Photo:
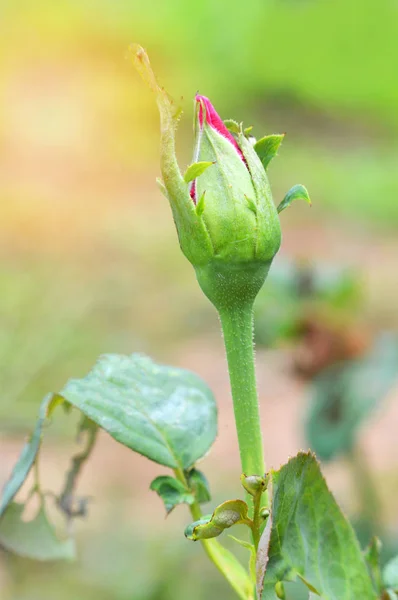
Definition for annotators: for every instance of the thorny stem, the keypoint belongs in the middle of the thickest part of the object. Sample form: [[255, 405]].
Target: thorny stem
[[256, 518], [237, 326]]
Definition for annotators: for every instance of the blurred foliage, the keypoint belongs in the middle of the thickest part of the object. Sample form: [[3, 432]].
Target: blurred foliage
[[295, 292], [258, 45], [345, 395]]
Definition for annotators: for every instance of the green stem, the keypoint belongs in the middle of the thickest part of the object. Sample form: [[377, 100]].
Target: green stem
[[256, 519], [237, 326], [65, 499], [224, 560]]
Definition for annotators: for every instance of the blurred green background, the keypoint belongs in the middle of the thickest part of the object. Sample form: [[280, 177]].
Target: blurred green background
[[89, 261]]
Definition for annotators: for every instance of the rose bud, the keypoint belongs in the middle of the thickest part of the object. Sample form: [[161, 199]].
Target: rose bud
[[227, 223]]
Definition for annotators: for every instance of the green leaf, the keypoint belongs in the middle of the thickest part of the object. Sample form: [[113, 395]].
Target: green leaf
[[310, 537], [231, 568], [169, 415], [227, 514], [390, 574], [171, 491], [34, 539], [27, 456], [297, 192], [199, 485], [252, 550], [268, 147], [344, 395], [196, 169]]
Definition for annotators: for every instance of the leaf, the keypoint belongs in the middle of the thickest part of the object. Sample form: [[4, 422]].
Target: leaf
[[199, 485], [171, 491], [231, 568], [196, 169], [390, 574], [252, 550], [372, 557], [34, 539], [297, 192], [267, 147], [227, 514], [344, 395], [27, 456], [310, 537], [169, 415]]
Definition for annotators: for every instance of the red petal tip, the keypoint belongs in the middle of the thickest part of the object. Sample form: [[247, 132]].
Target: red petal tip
[[214, 120]]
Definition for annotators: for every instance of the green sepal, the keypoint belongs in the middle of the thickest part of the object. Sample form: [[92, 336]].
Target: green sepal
[[227, 514], [268, 230], [196, 169], [172, 492], [200, 206], [192, 233], [251, 204], [199, 485], [268, 147], [297, 192], [232, 126]]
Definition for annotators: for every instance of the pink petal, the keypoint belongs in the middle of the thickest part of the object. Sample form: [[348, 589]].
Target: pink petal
[[215, 121]]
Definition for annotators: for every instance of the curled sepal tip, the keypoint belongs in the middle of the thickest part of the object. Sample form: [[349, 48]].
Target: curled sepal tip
[[297, 192], [227, 514], [192, 233]]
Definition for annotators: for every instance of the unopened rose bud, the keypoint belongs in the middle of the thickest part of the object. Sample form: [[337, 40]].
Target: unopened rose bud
[[227, 223]]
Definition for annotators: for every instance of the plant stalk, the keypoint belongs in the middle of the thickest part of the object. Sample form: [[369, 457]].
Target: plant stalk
[[237, 326]]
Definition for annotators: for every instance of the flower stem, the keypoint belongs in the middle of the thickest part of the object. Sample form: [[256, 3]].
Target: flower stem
[[237, 326]]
